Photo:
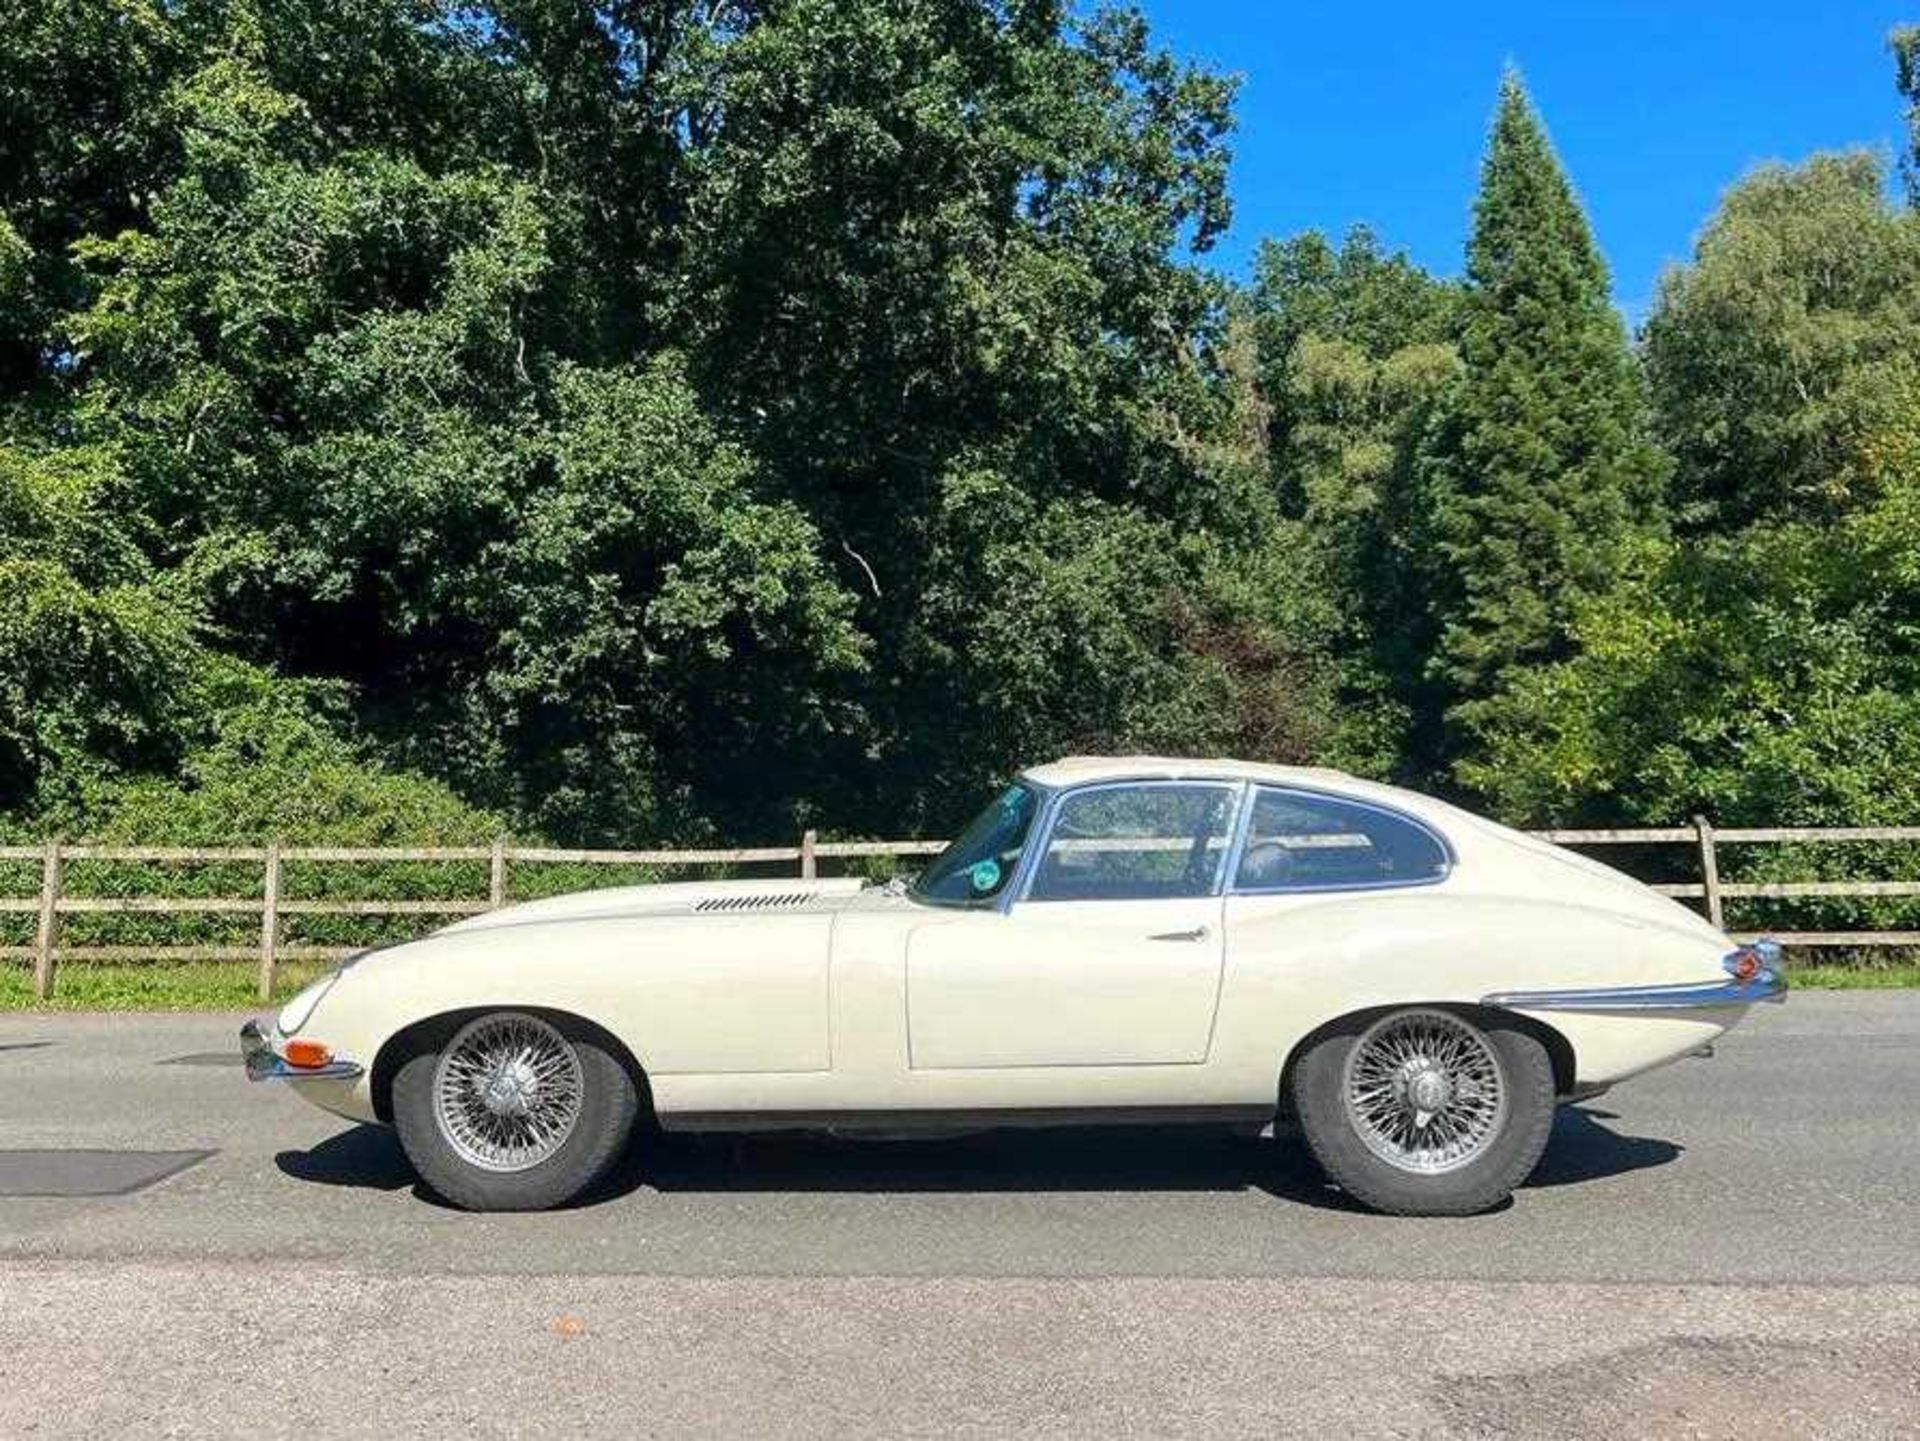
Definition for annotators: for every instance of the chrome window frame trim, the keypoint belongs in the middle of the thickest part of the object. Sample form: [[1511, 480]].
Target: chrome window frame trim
[[1018, 891], [1439, 838], [1001, 901]]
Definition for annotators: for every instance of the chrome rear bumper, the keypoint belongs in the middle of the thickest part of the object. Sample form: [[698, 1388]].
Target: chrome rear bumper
[[1754, 974]]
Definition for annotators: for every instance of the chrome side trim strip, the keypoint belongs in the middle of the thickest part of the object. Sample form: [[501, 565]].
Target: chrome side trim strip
[[1767, 986]]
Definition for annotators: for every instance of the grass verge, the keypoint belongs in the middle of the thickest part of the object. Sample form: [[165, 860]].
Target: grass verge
[[1826, 977], [154, 986]]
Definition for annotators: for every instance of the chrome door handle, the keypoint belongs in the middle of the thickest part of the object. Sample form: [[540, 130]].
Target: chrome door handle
[[1198, 933]]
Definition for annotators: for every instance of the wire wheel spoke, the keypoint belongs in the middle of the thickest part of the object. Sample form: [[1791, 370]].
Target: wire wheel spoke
[[507, 1092], [1425, 1092]]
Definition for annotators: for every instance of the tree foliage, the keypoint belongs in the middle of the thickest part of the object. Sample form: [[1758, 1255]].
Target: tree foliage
[[1905, 43], [1763, 666], [640, 419], [1539, 469], [629, 421], [1358, 347], [1783, 357]]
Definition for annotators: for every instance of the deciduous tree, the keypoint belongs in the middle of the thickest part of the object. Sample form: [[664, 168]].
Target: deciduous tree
[[1763, 665]]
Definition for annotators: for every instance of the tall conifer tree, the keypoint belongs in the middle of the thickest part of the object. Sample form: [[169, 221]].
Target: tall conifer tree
[[1905, 42], [1540, 469]]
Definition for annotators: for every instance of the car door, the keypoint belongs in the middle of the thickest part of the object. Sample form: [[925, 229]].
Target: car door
[[1109, 955]]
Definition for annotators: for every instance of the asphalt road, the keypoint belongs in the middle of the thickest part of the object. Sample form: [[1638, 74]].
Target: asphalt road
[[1727, 1247]]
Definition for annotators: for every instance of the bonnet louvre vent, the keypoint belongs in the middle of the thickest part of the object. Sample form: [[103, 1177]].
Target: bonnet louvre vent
[[778, 901]]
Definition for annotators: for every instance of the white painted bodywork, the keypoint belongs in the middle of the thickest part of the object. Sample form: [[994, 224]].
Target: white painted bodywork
[[840, 999]]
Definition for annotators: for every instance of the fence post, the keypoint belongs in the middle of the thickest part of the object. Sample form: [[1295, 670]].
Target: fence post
[[497, 874], [46, 941], [1709, 869], [270, 922], [809, 862]]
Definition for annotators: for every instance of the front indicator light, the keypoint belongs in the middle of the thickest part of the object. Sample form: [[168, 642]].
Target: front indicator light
[[306, 1055]]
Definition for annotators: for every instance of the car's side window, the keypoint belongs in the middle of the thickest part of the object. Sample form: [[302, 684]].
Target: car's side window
[[1297, 841], [1136, 842]]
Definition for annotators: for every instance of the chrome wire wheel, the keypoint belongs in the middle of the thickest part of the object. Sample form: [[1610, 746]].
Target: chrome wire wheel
[[507, 1092], [1425, 1092]]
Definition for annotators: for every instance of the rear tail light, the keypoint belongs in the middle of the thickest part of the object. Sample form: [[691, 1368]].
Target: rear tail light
[[1752, 961]]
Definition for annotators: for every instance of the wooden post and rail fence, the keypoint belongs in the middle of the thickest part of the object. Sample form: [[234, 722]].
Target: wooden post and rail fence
[[274, 908]]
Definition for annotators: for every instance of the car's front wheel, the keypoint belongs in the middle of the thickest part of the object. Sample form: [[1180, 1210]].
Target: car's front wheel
[[512, 1111], [1425, 1111]]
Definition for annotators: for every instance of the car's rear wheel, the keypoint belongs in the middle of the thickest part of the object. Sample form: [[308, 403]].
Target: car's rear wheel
[[1426, 1111], [512, 1111]]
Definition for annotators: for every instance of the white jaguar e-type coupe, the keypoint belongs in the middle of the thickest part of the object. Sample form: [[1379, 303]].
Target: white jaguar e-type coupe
[[1132, 939]]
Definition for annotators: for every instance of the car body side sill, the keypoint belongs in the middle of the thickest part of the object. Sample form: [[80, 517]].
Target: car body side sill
[[976, 1118]]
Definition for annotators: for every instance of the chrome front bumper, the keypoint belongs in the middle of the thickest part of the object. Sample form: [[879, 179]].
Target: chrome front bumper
[[1754, 972], [264, 1063]]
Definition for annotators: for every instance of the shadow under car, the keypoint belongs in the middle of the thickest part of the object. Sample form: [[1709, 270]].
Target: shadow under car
[[1090, 1158]]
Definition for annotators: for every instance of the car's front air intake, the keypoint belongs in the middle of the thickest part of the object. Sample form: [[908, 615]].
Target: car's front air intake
[[777, 900]]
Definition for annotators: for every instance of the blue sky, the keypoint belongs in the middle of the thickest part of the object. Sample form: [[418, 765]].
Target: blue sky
[[1377, 112]]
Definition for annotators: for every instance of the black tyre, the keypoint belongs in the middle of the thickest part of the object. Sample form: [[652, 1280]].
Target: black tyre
[[1426, 1111], [512, 1111]]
